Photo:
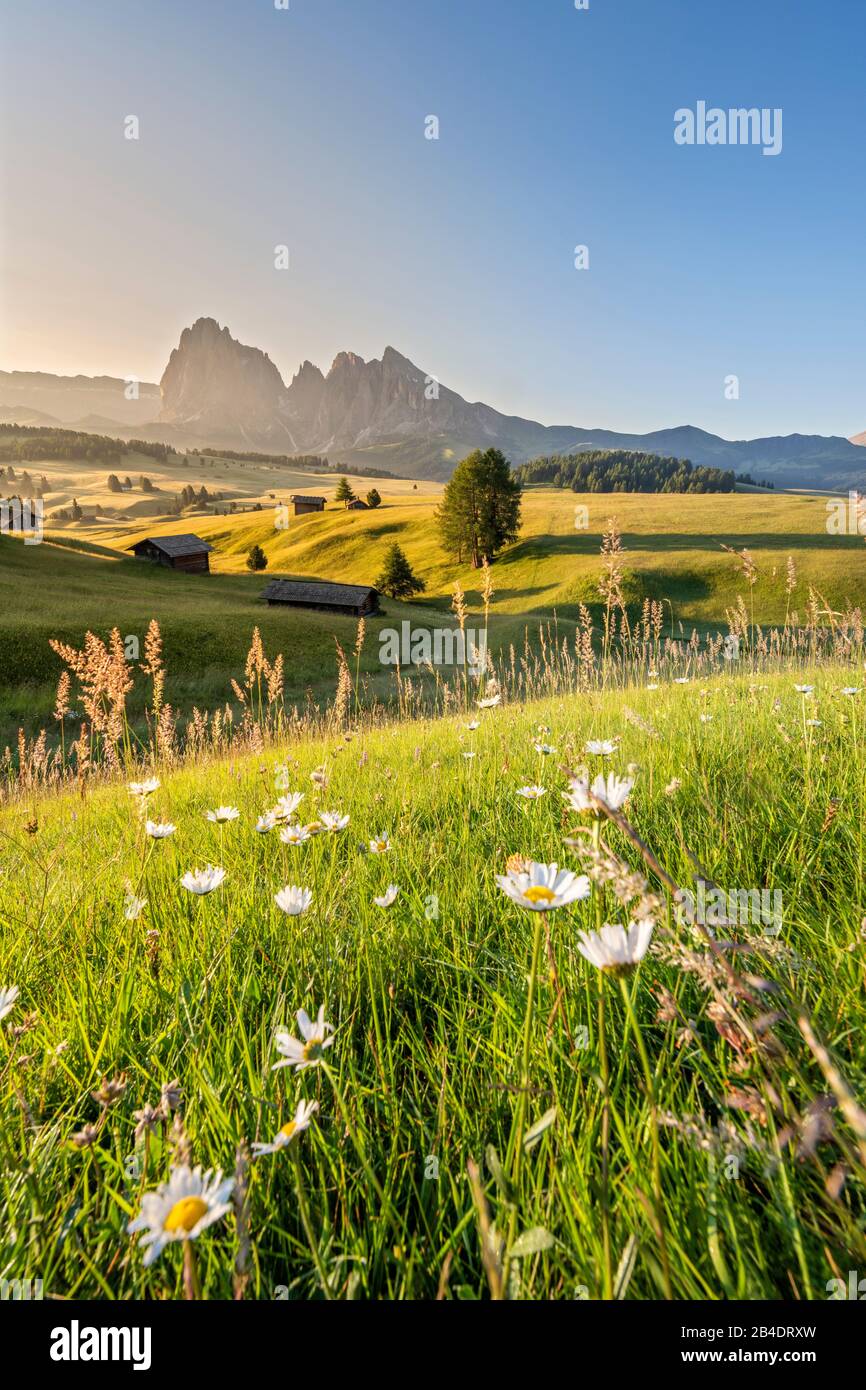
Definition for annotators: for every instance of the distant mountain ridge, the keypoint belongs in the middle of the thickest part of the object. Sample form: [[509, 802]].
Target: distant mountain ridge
[[385, 412]]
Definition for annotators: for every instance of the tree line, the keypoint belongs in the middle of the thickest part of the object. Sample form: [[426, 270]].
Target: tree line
[[27, 443], [625, 470]]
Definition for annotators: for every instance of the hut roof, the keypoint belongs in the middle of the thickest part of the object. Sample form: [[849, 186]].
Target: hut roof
[[317, 591], [176, 545], [301, 497]]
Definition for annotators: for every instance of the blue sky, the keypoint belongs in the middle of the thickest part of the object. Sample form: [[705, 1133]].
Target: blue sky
[[305, 127]]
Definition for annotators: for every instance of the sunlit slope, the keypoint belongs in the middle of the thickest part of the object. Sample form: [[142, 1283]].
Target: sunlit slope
[[674, 550]]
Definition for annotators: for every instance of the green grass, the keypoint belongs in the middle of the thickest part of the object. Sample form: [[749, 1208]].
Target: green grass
[[430, 1002], [673, 554]]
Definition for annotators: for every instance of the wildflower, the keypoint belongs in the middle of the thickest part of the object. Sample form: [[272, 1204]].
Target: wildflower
[[85, 1137], [110, 1091], [133, 907], [470, 754], [170, 1094], [295, 835], [319, 778], [614, 792], [144, 788], [181, 1208], [850, 690], [388, 896], [532, 793], [223, 814], [673, 786], [159, 830], [7, 999], [545, 749], [292, 900], [302, 1120], [148, 1119], [804, 689], [615, 949], [287, 806], [706, 718], [653, 686], [201, 881], [473, 725], [333, 821], [543, 887], [814, 723], [682, 680], [601, 747], [308, 1053], [380, 845], [489, 702]]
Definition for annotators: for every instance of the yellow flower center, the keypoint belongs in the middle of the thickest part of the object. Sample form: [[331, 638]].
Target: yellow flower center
[[185, 1214], [539, 894], [313, 1050], [288, 1129]]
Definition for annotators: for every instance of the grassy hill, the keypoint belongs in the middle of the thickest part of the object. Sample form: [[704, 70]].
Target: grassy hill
[[467, 1037], [673, 552]]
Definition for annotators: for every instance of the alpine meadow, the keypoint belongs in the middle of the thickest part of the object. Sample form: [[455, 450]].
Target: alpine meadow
[[432, 834]]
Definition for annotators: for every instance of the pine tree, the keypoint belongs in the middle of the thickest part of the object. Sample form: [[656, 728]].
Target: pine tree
[[257, 559], [397, 579], [344, 492], [480, 509], [373, 498]]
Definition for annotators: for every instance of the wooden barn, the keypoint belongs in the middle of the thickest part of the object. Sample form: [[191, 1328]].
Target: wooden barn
[[302, 504], [356, 505], [188, 553], [354, 599]]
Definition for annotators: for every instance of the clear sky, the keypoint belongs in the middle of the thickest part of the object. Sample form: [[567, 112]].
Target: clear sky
[[305, 127]]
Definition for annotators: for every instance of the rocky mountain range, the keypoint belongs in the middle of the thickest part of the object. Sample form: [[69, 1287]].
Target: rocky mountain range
[[386, 413]]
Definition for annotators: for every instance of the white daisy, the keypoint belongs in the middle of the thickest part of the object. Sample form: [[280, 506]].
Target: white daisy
[[303, 1119], [315, 827], [469, 755], [489, 702], [532, 793], [201, 881], [473, 725], [804, 689], [682, 680], [388, 896], [814, 723], [308, 1053], [543, 887], [706, 719], [181, 1208], [266, 822], [850, 690], [333, 821], [144, 788], [7, 999], [613, 948], [295, 835], [133, 907], [223, 814], [159, 830], [380, 845], [601, 747], [544, 748], [653, 686], [614, 791], [288, 805], [293, 900]]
